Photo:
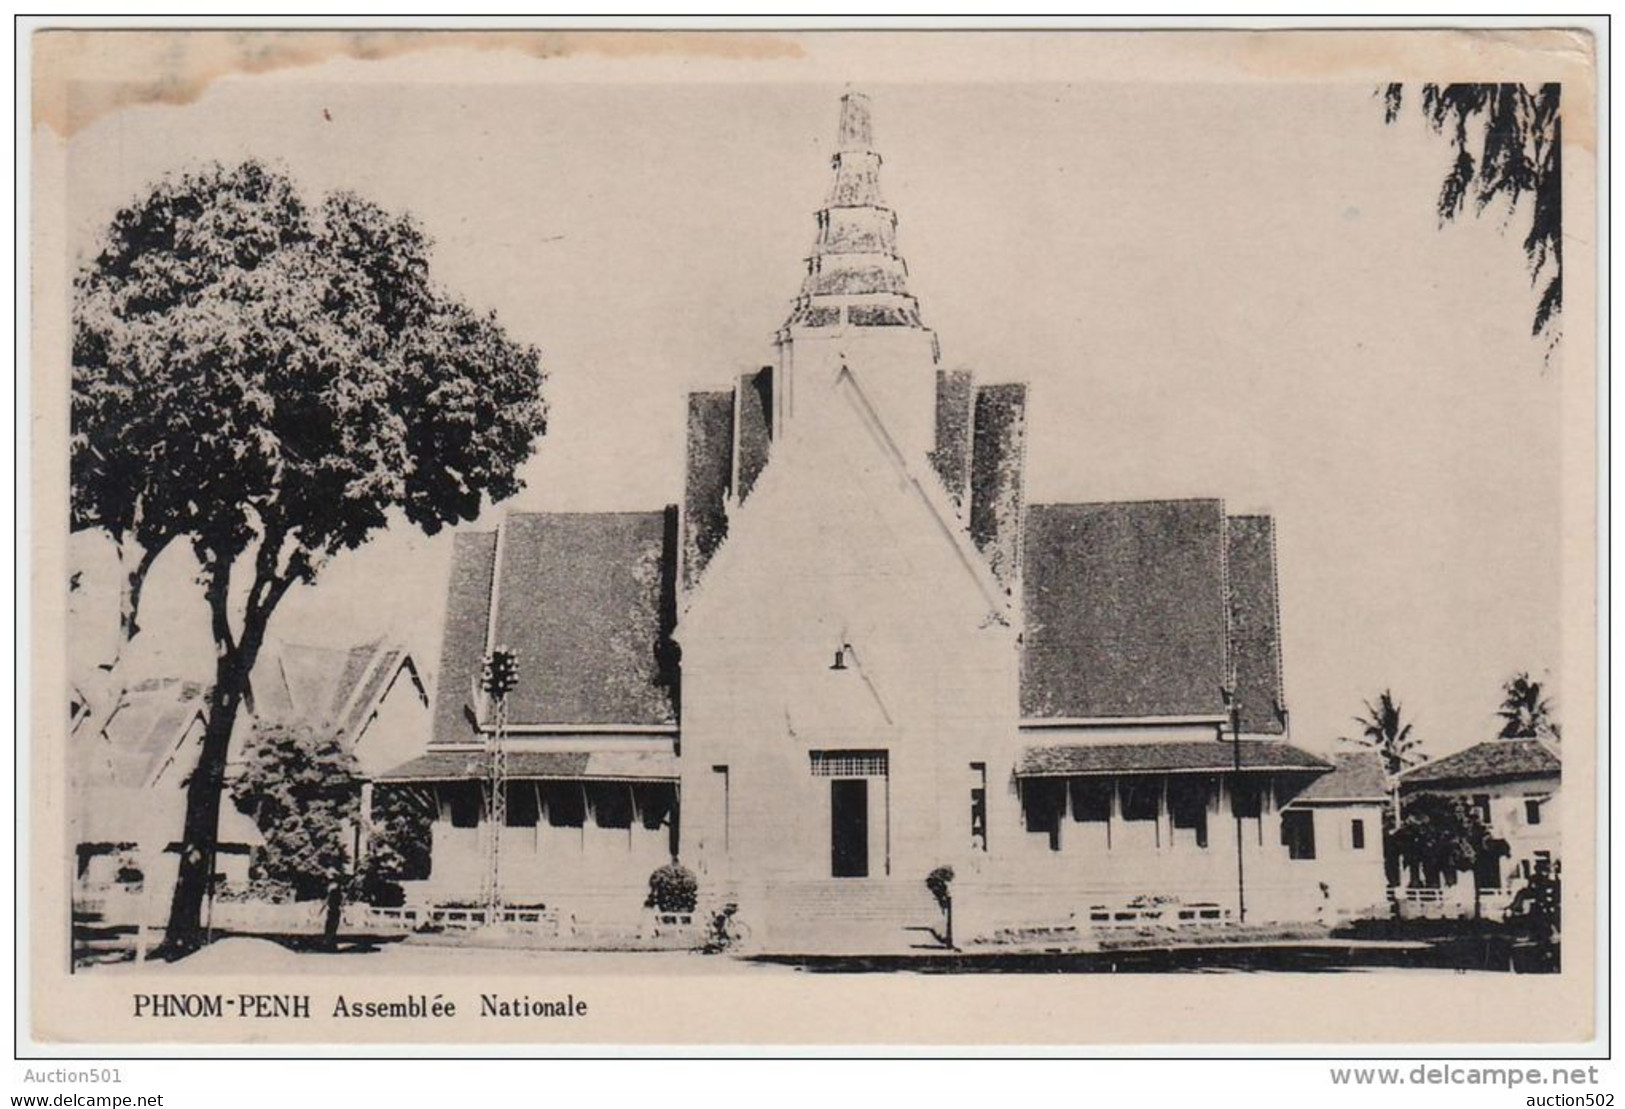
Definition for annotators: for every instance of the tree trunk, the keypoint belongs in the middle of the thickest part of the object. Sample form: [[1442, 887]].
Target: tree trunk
[[200, 835], [335, 910], [129, 601], [234, 662]]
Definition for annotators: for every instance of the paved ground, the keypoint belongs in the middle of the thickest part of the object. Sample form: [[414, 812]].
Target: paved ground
[[261, 956], [238, 954]]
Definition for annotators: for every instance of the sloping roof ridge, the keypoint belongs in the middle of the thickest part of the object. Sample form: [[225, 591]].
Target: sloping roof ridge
[[1131, 501], [1460, 763], [1356, 776], [1003, 603], [372, 683], [289, 644], [1003, 606], [738, 521], [539, 513]]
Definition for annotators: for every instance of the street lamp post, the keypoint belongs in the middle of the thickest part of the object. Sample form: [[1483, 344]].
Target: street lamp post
[[498, 676], [1231, 702]]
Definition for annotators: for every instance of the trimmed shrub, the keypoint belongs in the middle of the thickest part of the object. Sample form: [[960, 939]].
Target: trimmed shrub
[[673, 889]]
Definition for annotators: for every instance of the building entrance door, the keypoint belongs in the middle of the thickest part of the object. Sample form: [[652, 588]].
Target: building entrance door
[[849, 827]]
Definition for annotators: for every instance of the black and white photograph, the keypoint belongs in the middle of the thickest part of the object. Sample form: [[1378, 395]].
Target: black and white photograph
[[1102, 520]]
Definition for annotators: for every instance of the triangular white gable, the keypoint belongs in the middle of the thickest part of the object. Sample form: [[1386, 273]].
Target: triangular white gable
[[839, 505]]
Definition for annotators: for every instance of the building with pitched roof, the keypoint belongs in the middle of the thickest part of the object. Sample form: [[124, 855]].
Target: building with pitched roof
[[1513, 786], [855, 653], [133, 757]]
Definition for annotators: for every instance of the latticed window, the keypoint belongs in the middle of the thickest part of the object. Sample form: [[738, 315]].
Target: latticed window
[[848, 764]]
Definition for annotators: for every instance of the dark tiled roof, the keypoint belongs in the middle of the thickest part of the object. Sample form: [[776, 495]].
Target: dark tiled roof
[[1149, 758], [587, 601], [755, 426], [1492, 760], [1355, 776], [1125, 609], [462, 641], [951, 455], [997, 487], [708, 478], [1255, 632], [451, 766]]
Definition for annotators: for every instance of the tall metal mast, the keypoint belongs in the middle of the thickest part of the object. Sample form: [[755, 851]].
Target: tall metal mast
[[497, 678]]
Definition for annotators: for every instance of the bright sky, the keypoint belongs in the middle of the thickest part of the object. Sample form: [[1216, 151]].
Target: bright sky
[[1213, 288]]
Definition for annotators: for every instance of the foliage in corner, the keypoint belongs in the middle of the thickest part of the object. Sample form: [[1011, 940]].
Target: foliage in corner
[[1508, 141]]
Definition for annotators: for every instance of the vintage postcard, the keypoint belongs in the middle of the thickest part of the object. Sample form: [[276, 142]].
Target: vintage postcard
[[766, 537]]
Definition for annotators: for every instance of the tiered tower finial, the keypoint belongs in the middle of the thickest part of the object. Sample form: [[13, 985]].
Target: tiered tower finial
[[855, 277]]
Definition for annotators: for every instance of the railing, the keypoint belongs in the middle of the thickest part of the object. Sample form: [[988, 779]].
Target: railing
[[1130, 915], [462, 918], [1442, 902]]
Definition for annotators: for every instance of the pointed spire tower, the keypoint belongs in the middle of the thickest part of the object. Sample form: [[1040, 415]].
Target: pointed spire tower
[[854, 309], [855, 277]]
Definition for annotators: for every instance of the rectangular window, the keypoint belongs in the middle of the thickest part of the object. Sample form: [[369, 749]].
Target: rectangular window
[[1187, 807], [565, 804], [1481, 806], [1043, 804], [1298, 833], [656, 803], [1531, 810], [523, 807], [611, 804], [1141, 799], [727, 801], [1246, 799], [462, 803], [849, 764], [978, 806], [1091, 800], [1357, 835]]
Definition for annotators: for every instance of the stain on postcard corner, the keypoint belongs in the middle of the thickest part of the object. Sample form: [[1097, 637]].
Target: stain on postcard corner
[[80, 76]]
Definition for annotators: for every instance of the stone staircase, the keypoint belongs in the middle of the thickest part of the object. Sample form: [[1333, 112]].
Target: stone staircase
[[845, 916]]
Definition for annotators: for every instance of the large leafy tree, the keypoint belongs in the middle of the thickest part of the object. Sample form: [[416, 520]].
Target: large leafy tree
[[272, 382], [1443, 835], [1525, 712], [1508, 141], [399, 842], [303, 790]]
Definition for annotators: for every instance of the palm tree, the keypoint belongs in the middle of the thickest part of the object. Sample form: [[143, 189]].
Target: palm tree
[[1384, 731], [1525, 713]]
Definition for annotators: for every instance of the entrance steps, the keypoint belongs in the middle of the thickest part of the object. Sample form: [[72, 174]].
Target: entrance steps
[[845, 916]]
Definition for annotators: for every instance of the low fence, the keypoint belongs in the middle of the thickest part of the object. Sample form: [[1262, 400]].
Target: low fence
[[538, 927], [1450, 903]]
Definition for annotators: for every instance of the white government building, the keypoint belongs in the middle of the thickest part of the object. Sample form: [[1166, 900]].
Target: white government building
[[855, 653]]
